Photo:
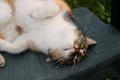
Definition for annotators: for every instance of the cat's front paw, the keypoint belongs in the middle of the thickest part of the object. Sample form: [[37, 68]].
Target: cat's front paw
[[2, 61]]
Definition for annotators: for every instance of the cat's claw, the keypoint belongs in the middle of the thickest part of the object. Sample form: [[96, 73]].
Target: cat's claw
[[2, 61], [49, 60]]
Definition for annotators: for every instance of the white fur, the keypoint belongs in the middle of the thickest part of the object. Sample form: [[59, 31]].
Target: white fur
[[5, 13], [52, 35], [46, 27], [7, 25], [10, 31], [25, 8]]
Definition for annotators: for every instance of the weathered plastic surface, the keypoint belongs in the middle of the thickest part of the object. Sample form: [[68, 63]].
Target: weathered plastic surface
[[33, 66]]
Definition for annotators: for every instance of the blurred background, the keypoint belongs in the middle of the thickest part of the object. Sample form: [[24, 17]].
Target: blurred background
[[100, 8]]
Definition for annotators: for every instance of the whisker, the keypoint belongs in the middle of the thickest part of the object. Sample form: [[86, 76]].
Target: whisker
[[85, 28], [88, 19], [60, 61], [59, 64], [88, 31], [73, 66]]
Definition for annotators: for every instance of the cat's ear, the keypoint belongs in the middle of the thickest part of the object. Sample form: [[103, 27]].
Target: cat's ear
[[91, 41], [49, 59]]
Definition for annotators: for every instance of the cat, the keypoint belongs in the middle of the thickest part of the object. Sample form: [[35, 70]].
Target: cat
[[47, 27], [9, 31]]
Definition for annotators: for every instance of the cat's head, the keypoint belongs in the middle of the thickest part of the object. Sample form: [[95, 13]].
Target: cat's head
[[73, 55], [78, 52]]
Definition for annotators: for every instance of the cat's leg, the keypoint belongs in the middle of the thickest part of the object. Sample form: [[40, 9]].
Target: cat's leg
[[2, 61], [46, 9], [18, 46]]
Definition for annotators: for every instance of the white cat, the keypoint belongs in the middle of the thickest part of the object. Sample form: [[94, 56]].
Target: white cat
[[47, 27]]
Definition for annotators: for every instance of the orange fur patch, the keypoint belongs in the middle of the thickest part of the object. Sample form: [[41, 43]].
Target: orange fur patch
[[32, 46], [54, 54], [18, 29], [63, 5], [11, 3], [2, 36]]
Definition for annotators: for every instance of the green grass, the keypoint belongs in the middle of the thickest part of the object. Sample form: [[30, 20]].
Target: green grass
[[100, 8]]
